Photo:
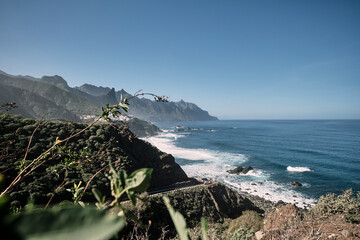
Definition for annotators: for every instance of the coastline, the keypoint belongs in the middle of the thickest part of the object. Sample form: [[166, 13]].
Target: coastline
[[255, 185]]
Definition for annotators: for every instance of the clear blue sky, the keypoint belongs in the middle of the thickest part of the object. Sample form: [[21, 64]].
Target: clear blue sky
[[236, 59]]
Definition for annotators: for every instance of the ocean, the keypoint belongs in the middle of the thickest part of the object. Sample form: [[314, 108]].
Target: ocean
[[323, 155]]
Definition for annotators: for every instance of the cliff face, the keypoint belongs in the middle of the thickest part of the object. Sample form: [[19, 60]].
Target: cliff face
[[142, 128], [91, 151], [215, 202]]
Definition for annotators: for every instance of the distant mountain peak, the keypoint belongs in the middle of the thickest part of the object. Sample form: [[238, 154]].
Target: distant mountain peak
[[111, 93], [56, 80], [93, 90]]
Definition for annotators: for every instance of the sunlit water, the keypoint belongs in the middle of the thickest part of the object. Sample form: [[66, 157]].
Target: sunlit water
[[323, 155]]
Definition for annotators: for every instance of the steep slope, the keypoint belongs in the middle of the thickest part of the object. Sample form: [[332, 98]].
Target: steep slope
[[33, 105], [142, 128], [215, 202], [91, 151], [58, 96]]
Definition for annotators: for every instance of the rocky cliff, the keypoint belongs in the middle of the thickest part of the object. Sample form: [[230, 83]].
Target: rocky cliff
[[215, 202], [77, 160]]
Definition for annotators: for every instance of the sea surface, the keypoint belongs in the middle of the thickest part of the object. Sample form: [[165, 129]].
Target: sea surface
[[323, 155]]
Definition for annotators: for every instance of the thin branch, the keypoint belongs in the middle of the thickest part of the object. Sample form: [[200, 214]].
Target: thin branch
[[55, 191], [87, 184]]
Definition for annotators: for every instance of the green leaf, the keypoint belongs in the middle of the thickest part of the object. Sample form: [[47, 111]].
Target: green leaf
[[139, 180], [178, 220], [204, 228], [132, 197], [113, 171], [68, 223], [97, 194], [123, 177], [81, 203]]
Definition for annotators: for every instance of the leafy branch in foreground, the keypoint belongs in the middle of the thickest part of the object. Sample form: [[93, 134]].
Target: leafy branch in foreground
[[74, 222]]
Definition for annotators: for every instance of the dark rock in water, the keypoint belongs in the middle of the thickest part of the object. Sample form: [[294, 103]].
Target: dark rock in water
[[179, 128], [246, 169], [236, 170], [240, 169], [296, 183], [279, 203]]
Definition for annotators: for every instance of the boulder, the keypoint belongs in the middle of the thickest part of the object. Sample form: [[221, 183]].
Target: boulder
[[240, 169], [296, 183], [246, 169]]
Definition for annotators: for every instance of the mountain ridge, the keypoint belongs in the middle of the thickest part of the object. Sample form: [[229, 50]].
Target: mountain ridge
[[153, 111], [88, 99]]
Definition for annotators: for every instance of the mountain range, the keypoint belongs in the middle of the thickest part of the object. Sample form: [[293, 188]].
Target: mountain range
[[51, 94]]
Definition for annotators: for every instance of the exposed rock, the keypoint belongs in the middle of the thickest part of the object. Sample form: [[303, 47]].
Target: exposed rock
[[215, 202], [240, 170], [266, 205], [296, 183], [290, 222], [282, 217], [142, 128], [259, 235], [279, 203], [230, 203], [179, 128], [346, 233]]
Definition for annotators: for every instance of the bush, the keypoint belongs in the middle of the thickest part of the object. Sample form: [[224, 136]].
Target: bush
[[346, 204], [242, 233], [249, 219]]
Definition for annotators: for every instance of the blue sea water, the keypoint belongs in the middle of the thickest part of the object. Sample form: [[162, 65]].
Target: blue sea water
[[323, 155]]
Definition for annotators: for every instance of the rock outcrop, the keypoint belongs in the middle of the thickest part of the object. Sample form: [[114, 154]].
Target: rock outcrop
[[296, 184], [142, 128], [215, 202], [240, 170]]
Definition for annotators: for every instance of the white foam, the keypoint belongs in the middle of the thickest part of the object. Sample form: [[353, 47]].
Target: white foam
[[214, 165], [165, 142], [269, 190], [255, 173], [298, 169]]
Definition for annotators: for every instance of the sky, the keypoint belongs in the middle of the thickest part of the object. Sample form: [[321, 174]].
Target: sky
[[235, 59]]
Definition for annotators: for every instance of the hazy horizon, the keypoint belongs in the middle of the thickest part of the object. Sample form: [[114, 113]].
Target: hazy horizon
[[238, 60]]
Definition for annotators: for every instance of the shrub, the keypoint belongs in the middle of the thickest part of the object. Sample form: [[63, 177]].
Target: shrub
[[346, 204], [242, 233], [249, 219]]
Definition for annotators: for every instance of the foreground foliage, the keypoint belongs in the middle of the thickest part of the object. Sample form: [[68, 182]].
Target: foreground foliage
[[346, 204]]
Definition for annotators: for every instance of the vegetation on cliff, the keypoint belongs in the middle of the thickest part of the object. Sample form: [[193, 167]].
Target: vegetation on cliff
[[77, 160]]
